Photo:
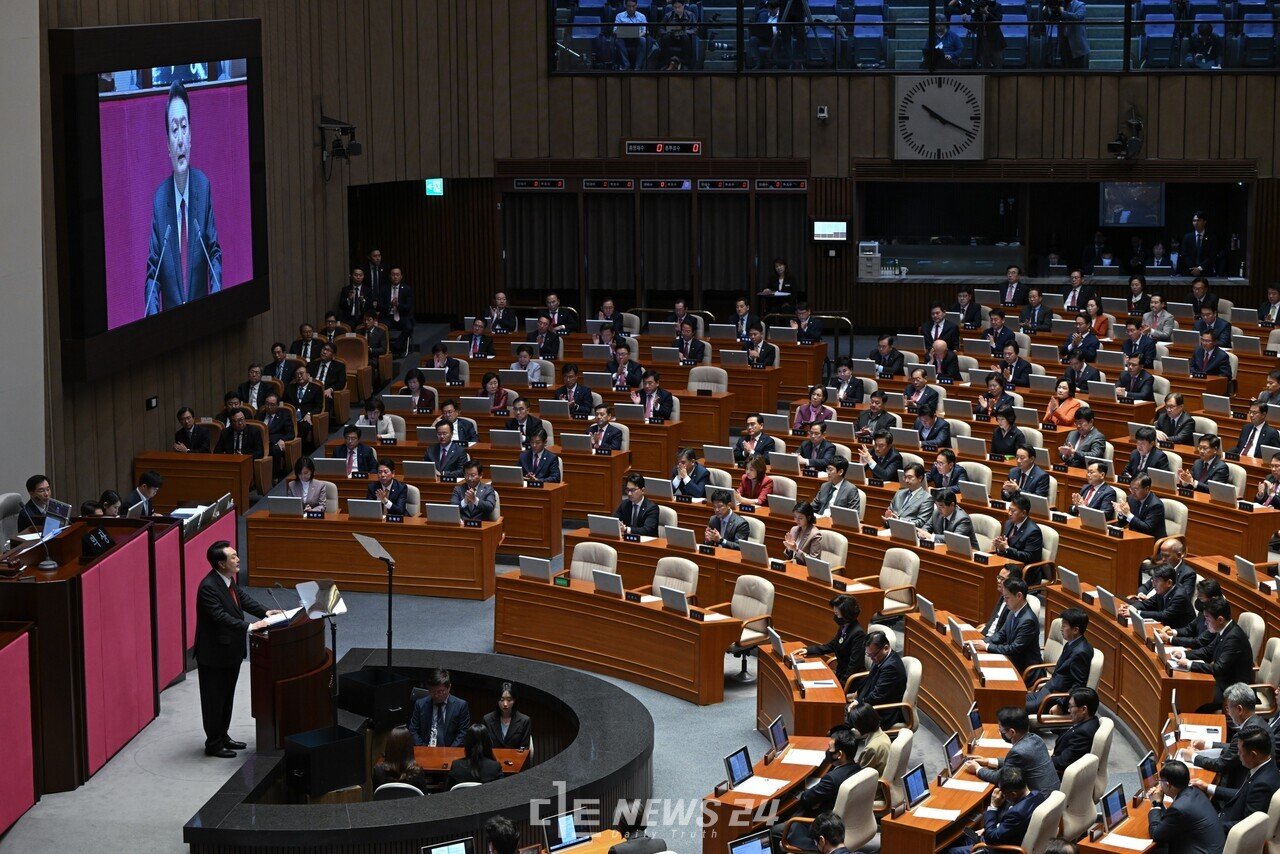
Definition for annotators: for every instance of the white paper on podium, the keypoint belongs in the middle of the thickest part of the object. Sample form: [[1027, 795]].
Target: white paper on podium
[[1001, 674], [1133, 843], [277, 619], [796, 756], [991, 656], [819, 683], [765, 786], [713, 616], [644, 600], [965, 785], [991, 742]]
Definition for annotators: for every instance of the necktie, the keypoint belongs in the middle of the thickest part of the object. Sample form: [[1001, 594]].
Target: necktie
[[182, 235], [437, 723], [1251, 448], [253, 395], [1271, 315], [324, 370], [1142, 463], [537, 462], [1008, 297], [596, 437], [234, 597], [937, 330], [1071, 300], [237, 443], [648, 405], [475, 346], [351, 461], [1088, 493]]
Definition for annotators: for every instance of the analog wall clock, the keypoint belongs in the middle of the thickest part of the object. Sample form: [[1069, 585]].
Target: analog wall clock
[[939, 117]]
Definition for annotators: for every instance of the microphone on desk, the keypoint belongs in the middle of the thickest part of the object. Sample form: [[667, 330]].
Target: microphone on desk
[[271, 591]]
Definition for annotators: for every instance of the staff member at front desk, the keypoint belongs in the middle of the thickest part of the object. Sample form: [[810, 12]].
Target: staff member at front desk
[[507, 727], [439, 719], [637, 513], [392, 493]]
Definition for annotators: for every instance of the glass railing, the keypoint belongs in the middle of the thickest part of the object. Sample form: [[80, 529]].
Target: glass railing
[[792, 36]]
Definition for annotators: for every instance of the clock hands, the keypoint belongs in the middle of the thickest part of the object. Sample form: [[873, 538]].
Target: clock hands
[[946, 121]]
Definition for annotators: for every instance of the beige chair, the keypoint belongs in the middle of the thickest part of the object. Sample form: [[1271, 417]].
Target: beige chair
[[752, 603], [967, 363], [1175, 519], [1079, 811], [987, 528], [783, 485], [899, 761], [756, 528], [908, 458], [626, 434], [1175, 460], [779, 445], [464, 372], [496, 513], [1047, 565], [1205, 425], [899, 574], [1249, 836], [675, 408], [844, 452], [1109, 454], [667, 517], [1035, 439], [854, 804], [1044, 720], [1266, 676], [330, 496], [413, 503], [719, 478], [630, 323], [978, 473], [463, 786], [909, 697], [1053, 491], [1273, 825], [1237, 478], [551, 440], [835, 548], [592, 556], [10, 508], [960, 428], [708, 377], [1102, 750], [678, 572], [1160, 388], [1255, 628], [1041, 830], [396, 791], [398, 425]]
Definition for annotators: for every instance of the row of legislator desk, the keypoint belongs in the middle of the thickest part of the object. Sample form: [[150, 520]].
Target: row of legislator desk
[[809, 699], [432, 559], [531, 517], [1243, 595], [191, 479]]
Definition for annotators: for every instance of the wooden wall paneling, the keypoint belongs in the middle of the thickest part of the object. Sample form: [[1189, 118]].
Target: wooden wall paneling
[[500, 59], [1006, 117], [1265, 253], [383, 117], [859, 104], [562, 131], [642, 112], [1170, 128], [680, 108], [1030, 95], [586, 125], [1256, 120], [881, 116], [802, 120]]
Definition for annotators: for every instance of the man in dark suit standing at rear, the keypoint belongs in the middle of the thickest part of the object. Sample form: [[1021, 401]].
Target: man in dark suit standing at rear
[[221, 644]]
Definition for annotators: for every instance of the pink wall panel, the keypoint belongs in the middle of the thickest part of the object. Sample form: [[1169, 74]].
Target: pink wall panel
[[170, 648], [195, 566], [17, 783]]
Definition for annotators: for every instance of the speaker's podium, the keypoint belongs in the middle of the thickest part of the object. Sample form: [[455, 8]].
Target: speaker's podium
[[290, 671]]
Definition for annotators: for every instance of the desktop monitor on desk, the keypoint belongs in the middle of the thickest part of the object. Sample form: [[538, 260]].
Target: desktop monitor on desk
[[953, 753], [564, 831], [916, 786], [1147, 770], [975, 719], [778, 734], [737, 767], [1113, 808], [457, 846], [756, 843]]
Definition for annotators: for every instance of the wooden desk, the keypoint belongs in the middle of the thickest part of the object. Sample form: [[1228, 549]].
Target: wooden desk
[[197, 478], [800, 608], [911, 834], [1133, 684], [801, 366], [952, 684], [640, 642], [753, 389], [734, 814], [436, 760], [813, 713], [597, 481], [1243, 597], [1255, 468], [532, 519], [704, 419], [431, 559], [654, 446]]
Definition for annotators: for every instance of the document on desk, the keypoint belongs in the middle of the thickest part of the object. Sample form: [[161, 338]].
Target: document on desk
[[966, 627], [645, 539], [1001, 674], [818, 683], [712, 617], [991, 656], [811, 665], [764, 786], [183, 512], [857, 587], [277, 619], [1196, 731], [796, 756], [965, 785], [991, 742], [936, 815], [1133, 843]]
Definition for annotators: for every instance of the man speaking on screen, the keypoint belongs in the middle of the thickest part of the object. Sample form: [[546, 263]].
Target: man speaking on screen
[[185, 262]]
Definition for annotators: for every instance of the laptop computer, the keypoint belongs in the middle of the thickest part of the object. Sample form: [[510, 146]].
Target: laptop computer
[[863, 367], [1165, 481], [418, 470], [564, 831], [457, 846], [781, 505], [902, 531], [680, 538], [778, 425], [842, 430], [722, 331], [397, 402], [969, 446], [756, 554], [845, 517], [596, 352], [819, 570], [658, 487], [597, 379], [1094, 520], [783, 334], [974, 346], [1247, 571], [1044, 354], [756, 843], [604, 526], [1186, 337], [914, 343], [1115, 305], [607, 582], [505, 438], [1217, 404], [775, 642], [284, 505], [856, 472], [423, 435], [953, 753], [574, 441], [1147, 770], [974, 493], [718, 455], [510, 475], [447, 514], [930, 372], [777, 734], [513, 378], [674, 600], [664, 355], [536, 568], [957, 544], [1041, 382], [1070, 580], [1172, 365], [1113, 808], [958, 410], [368, 433], [1222, 493], [436, 376], [1246, 344], [629, 412], [904, 438], [955, 632], [458, 349], [926, 610], [1102, 389], [1109, 359], [732, 357], [1042, 459], [475, 404], [1106, 601], [737, 767], [894, 400], [1063, 327], [1026, 416], [364, 508], [784, 463], [662, 329], [552, 408], [915, 785]]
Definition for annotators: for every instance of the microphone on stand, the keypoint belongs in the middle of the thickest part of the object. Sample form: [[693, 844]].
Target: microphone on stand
[[215, 281], [152, 284]]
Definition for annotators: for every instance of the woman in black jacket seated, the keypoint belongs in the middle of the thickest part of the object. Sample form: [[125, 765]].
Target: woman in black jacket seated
[[850, 643], [507, 727], [398, 765], [478, 765], [1006, 439]]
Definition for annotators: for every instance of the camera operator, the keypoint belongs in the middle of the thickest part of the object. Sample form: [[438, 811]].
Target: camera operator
[[1064, 26], [795, 41], [943, 47], [679, 27], [983, 18]]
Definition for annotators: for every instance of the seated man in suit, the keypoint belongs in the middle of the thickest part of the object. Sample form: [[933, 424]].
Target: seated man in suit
[[1262, 779], [997, 334], [1209, 359], [1196, 633], [679, 314], [1268, 494], [1077, 740], [307, 400], [815, 451], [884, 684], [808, 328], [882, 461], [393, 494], [374, 335], [464, 431], [917, 393], [1174, 424], [1208, 321], [760, 353], [911, 503], [688, 476], [655, 399], [604, 436], [329, 372], [967, 307], [1135, 383], [849, 389], [523, 422], [1015, 369], [1071, 670], [940, 328], [479, 345], [933, 431], [1081, 341], [440, 359], [562, 322], [1158, 322], [1019, 637], [1142, 511], [330, 330], [836, 491], [474, 498], [1223, 757], [948, 518], [439, 719], [1095, 492], [753, 441], [1076, 295], [250, 391], [547, 341], [231, 403], [1084, 441], [190, 437], [874, 418], [1025, 476], [637, 513], [725, 528], [945, 363], [1174, 553], [1256, 433], [307, 345], [1014, 291], [240, 439], [946, 475], [448, 454], [1007, 819], [1080, 373], [889, 361], [1145, 454], [279, 425], [578, 395], [1138, 343], [1028, 753], [818, 800], [499, 317], [1036, 317], [743, 319], [1020, 539], [1168, 603], [1209, 467], [691, 349], [149, 483], [1189, 823], [1228, 655], [537, 463], [1269, 311], [613, 318], [279, 367]]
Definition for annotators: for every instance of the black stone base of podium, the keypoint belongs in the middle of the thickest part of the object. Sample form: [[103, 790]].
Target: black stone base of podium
[[379, 694], [322, 760]]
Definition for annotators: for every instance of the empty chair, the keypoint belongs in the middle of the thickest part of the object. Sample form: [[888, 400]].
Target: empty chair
[[756, 528], [413, 500], [719, 478], [1249, 836], [1205, 425], [978, 473], [753, 604], [667, 517], [330, 496], [1017, 49], [898, 577], [396, 791], [631, 322], [1079, 810], [783, 485], [1035, 439], [1175, 517], [592, 556], [1237, 478], [960, 428], [10, 507], [708, 377], [869, 44], [899, 761], [677, 572], [1102, 750], [397, 424], [835, 548]]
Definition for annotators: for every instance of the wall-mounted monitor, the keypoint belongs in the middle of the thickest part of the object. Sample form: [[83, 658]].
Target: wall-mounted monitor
[[830, 230], [1134, 205]]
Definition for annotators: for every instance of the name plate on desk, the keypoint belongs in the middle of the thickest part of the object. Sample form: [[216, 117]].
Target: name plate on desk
[[970, 326], [394, 519], [456, 383], [1125, 400], [996, 458], [386, 440], [846, 403], [799, 433], [1245, 506], [534, 484], [756, 367], [1087, 597], [911, 408], [655, 421], [579, 416], [925, 544], [1113, 531], [1058, 517], [359, 475], [502, 413], [1124, 477], [872, 481], [471, 523], [929, 447], [1009, 304], [945, 381], [631, 596], [560, 581], [602, 452], [746, 508], [981, 416], [537, 385], [1239, 416], [1196, 375], [631, 538], [1225, 569], [871, 530], [1165, 444], [1266, 324], [1049, 425], [698, 615], [1186, 492], [444, 478], [688, 362], [1232, 455], [809, 472], [1058, 467], [1272, 353], [705, 549], [838, 584], [999, 505], [313, 514], [778, 565], [704, 392]]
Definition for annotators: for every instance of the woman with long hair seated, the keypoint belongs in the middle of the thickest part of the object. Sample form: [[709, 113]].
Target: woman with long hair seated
[[755, 486], [398, 765], [478, 765], [507, 727], [415, 385], [1062, 406], [500, 399]]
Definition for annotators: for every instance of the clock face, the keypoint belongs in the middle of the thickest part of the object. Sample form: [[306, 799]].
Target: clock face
[[939, 117]]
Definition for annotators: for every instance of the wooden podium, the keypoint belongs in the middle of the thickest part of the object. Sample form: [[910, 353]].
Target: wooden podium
[[290, 670]]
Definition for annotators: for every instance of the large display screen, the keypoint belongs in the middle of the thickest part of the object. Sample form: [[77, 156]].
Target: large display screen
[[177, 219], [1138, 205]]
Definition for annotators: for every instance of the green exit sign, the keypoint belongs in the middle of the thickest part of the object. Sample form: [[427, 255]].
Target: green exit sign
[[434, 186]]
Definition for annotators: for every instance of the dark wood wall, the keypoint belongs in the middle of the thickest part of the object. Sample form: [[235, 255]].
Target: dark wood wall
[[446, 89]]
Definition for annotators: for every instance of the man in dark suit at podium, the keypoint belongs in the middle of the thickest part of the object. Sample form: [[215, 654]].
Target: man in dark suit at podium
[[439, 719], [221, 644]]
